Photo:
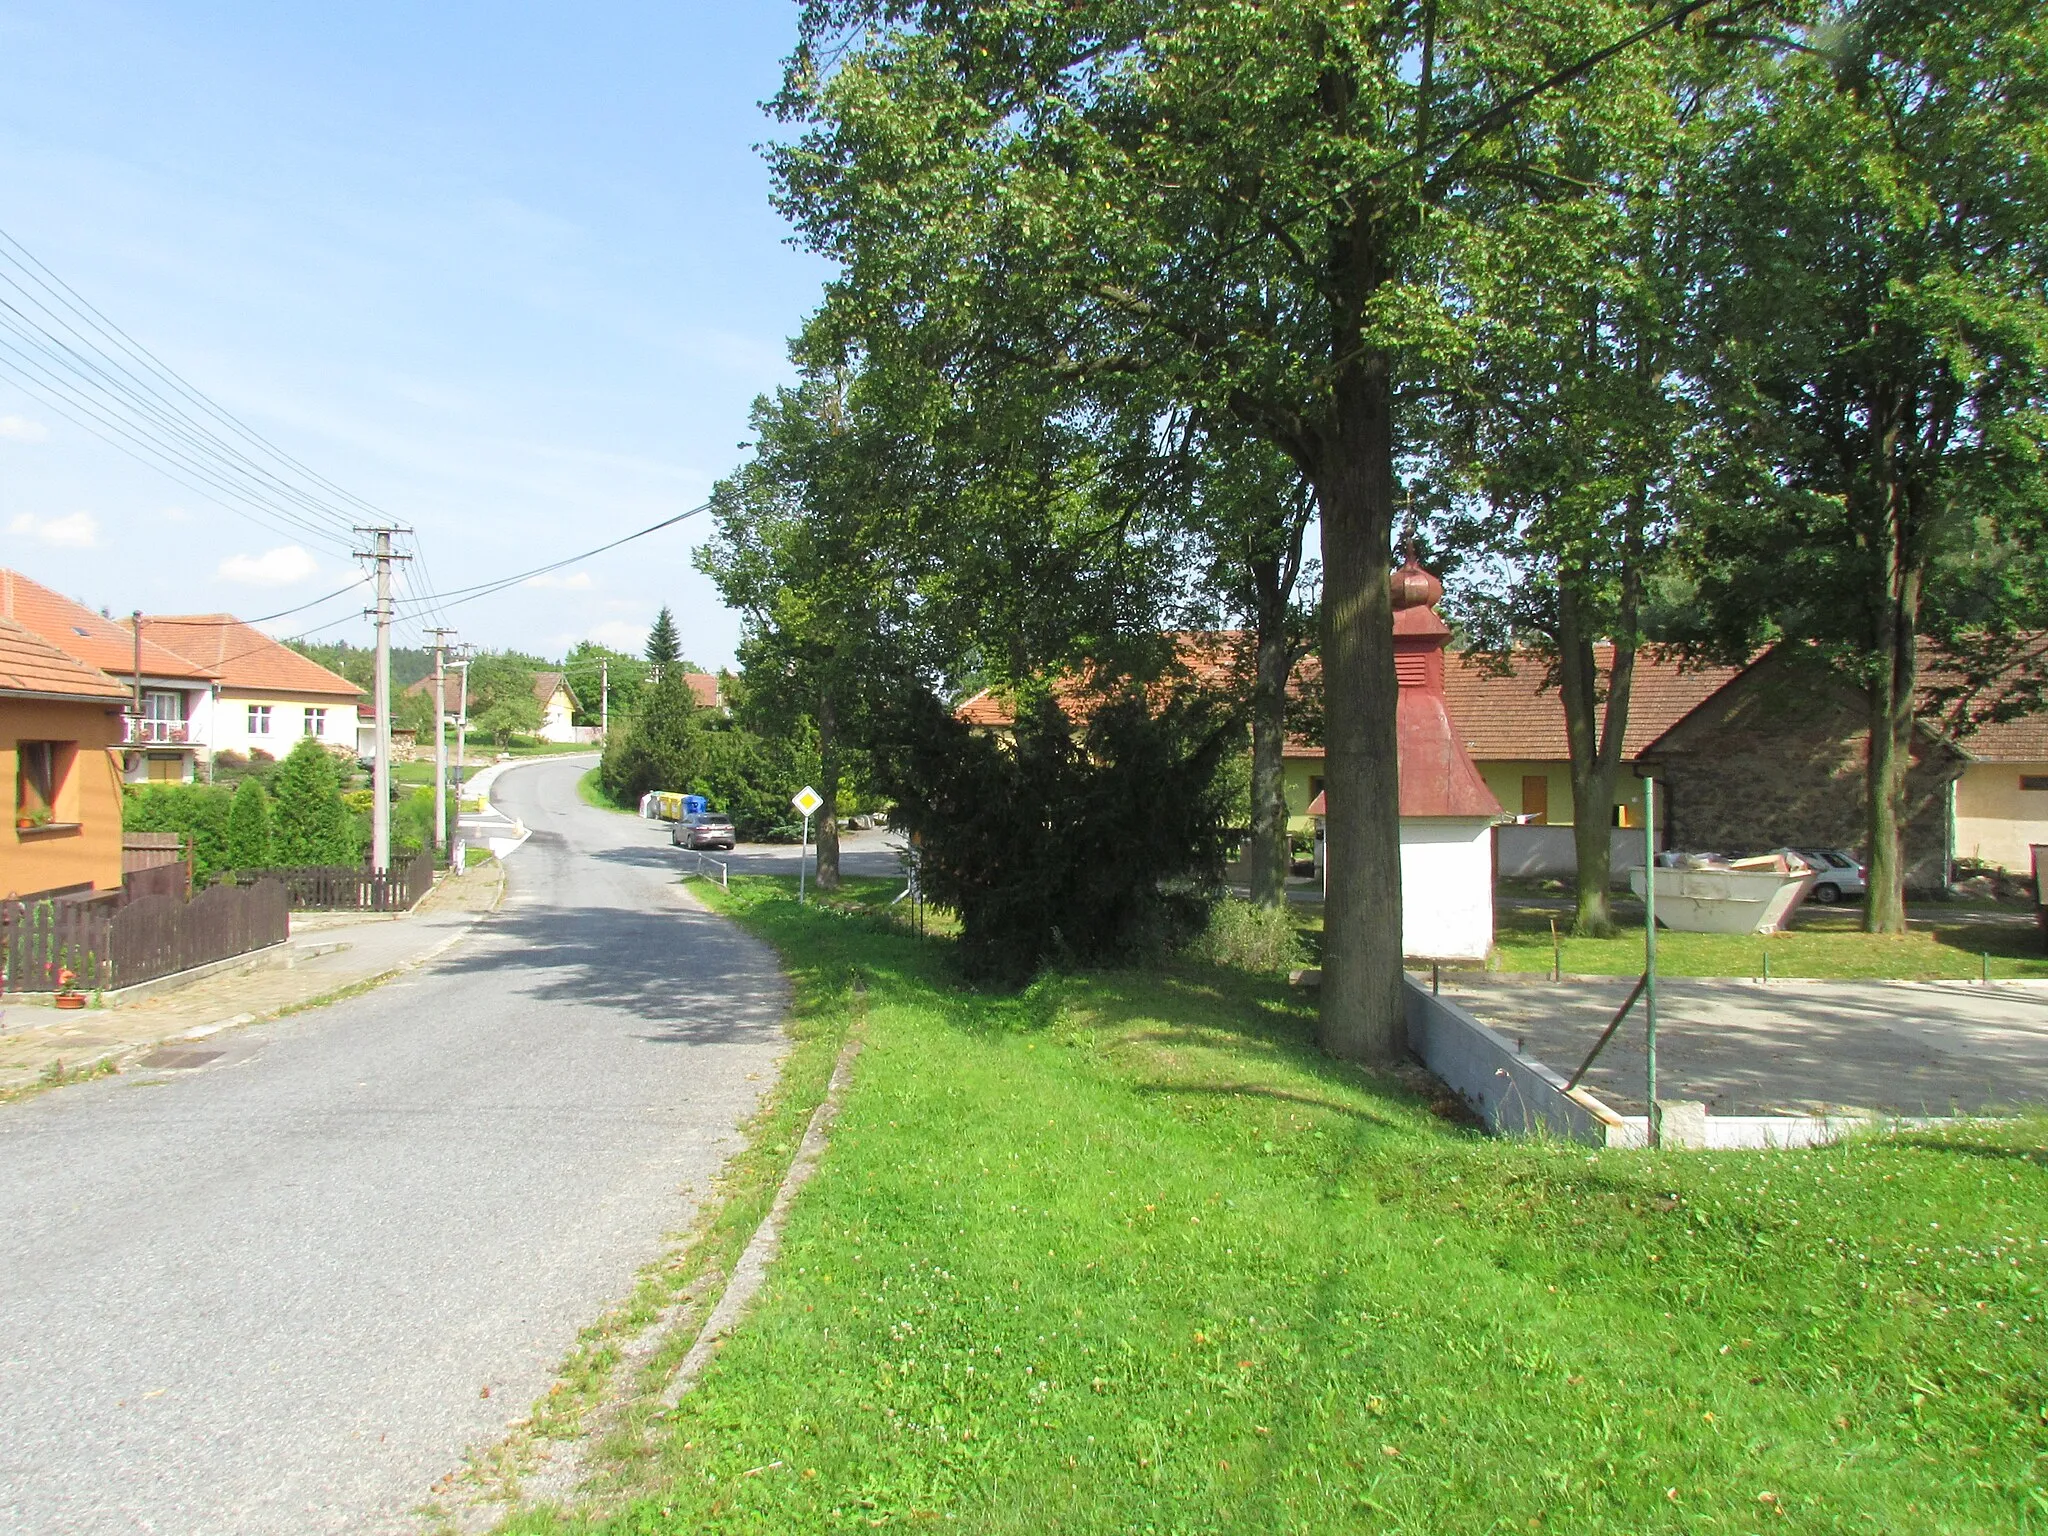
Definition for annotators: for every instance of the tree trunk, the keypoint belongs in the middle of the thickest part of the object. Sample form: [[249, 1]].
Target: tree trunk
[[828, 792], [1362, 1013], [1269, 850], [1890, 756], [1595, 748]]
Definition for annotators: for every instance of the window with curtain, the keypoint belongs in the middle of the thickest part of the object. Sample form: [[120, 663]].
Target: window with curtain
[[37, 778]]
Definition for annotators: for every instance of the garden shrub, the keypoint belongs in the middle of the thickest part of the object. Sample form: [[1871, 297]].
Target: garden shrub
[[196, 812], [249, 843], [1245, 937], [312, 825], [1097, 845]]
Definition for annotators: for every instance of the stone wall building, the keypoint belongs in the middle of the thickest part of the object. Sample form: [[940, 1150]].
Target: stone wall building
[[1776, 758]]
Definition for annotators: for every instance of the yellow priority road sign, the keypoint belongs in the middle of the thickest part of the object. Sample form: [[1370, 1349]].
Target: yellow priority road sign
[[807, 800]]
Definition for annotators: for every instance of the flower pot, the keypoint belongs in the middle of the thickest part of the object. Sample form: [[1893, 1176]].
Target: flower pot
[[70, 999]]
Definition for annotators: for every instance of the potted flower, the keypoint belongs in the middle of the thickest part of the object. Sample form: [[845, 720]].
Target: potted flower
[[28, 820], [67, 997]]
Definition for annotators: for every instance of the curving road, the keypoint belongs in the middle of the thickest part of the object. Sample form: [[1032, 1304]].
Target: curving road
[[285, 1290]]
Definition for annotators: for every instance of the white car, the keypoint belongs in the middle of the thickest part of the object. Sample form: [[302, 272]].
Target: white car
[[1840, 874]]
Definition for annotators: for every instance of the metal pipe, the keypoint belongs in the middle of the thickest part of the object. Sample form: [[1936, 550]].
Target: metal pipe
[[1650, 958]]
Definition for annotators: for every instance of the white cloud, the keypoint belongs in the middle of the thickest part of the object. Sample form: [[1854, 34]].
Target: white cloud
[[19, 429], [621, 636], [281, 567], [75, 530], [571, 581]]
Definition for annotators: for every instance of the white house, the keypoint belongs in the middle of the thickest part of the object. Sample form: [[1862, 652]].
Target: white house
[[265, 695], [163, 735]]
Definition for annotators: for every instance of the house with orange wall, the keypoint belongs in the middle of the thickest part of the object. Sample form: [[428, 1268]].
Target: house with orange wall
[[61, 724]]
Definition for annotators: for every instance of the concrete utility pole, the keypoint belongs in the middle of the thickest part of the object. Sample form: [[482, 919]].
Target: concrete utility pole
[[462, 726], [440, 735], [604, 699], [380, 775]]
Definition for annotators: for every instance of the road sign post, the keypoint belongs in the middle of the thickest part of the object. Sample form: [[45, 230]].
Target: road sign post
[[806, 800]]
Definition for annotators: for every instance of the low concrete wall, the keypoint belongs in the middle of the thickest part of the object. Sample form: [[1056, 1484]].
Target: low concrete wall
[[1514, 1094], [1548, 853]]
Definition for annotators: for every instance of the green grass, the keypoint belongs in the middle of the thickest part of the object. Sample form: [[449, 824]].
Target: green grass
[[591, 792], [1124, 1252], [1820, 944]]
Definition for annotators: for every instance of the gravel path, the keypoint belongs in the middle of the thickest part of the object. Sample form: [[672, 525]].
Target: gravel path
[[283, 1289]]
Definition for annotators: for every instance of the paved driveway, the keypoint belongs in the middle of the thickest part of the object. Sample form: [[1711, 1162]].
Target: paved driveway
[[1794, 1046], [282, 1291]]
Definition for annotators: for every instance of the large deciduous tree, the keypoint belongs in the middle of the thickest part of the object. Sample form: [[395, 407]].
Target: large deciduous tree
[[1884, 311], [1254, 208], [1574, 451]]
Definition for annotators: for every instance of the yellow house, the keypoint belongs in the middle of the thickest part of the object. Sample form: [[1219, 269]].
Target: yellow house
[[1999, 807], [60, 721]]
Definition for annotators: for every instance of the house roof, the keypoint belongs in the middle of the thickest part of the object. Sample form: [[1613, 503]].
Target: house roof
[[704, 690], [2009, 741], [546, 683], [31, 664], [241, 656], [1515, 717], [90, 637], [1218, 659]]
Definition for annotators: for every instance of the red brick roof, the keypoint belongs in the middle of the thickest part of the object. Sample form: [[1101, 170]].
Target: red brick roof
[[704, 690], [30, 664], [86, 636], [1515, 717], [2009, 741], [242, 657], [1212, 659]]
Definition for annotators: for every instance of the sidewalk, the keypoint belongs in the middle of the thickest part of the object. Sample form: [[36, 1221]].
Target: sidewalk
[[328, 953]]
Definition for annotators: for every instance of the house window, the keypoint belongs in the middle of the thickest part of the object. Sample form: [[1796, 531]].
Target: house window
[[39, 772], [2034, 781], [259, 719], [316, 722], [1315, 787]]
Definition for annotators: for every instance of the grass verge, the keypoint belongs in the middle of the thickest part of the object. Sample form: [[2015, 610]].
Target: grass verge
[[1124, 1252], [590, 790]]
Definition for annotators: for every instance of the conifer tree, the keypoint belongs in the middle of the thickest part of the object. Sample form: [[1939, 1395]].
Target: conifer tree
[[663, 649], [249, 841], [312, 825]]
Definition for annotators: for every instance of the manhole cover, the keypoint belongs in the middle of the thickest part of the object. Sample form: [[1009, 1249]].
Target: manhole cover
[[181, 1059]]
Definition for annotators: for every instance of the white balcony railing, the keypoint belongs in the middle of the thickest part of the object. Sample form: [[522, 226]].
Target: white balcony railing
[[157, 733]]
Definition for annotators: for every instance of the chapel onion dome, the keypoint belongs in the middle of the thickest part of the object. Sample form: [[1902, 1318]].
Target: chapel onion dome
[[1413, 587]]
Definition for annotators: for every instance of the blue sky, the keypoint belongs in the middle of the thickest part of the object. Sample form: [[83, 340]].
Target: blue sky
[[507, 271]]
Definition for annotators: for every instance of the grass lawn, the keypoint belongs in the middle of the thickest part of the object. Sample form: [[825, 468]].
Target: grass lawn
[[1124, 1252], [591, 792], [1819, 944]]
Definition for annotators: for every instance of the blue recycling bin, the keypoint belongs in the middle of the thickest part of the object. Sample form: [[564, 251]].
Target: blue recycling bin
[[695, 805]]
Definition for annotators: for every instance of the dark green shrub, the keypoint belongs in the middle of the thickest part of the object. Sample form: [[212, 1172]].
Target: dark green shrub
[[249, 842], [311, 825], [196, 812], [1095, 846]]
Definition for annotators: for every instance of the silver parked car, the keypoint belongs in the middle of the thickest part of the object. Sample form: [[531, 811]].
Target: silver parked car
[[1840, 873]]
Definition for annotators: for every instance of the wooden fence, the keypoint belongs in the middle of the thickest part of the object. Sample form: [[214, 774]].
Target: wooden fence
[[327, 888], [106, 945]]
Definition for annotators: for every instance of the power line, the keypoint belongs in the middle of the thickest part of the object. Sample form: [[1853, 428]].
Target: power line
[[458, 595], [282, 613]]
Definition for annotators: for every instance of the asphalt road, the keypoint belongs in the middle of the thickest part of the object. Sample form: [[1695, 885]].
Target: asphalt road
[[285, 1289]]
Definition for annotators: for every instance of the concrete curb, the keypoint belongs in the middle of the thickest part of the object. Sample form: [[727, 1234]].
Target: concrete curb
[[751, 1272]]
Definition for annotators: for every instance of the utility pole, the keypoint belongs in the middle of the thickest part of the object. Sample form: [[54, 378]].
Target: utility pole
[[462, 725], [440, 736], [380, 775], [604, 699]]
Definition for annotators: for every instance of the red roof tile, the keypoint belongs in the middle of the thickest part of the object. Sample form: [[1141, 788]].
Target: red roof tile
[[30, 664], [1515, 717], [90, 637], [241, 656]]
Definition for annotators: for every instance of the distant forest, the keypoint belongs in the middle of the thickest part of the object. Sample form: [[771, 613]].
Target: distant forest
[[358, 663]]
